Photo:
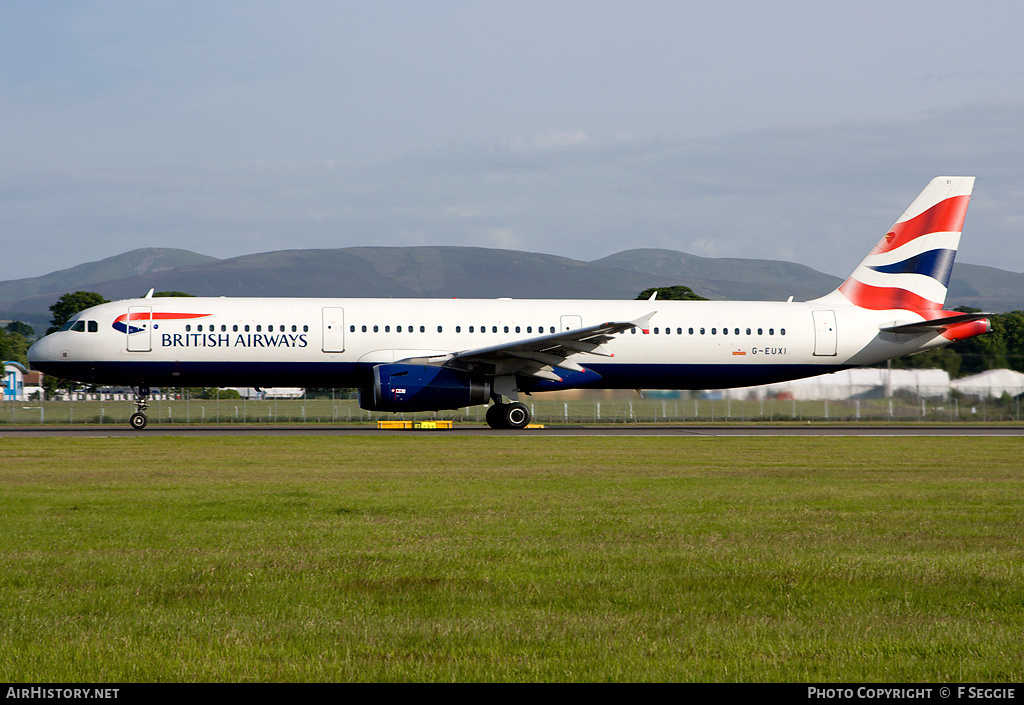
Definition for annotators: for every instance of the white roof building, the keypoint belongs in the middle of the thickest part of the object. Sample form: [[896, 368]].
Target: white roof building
[[14, 381], [858, 382], [991, 383]]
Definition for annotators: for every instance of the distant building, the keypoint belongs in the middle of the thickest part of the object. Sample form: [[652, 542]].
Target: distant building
[[991, 383], [862, 382], [14, 381], [270, 393]]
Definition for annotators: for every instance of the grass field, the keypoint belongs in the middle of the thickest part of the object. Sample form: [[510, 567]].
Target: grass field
[[432, 558]]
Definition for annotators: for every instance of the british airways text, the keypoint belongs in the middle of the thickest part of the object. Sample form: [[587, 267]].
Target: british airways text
[[227, 340]]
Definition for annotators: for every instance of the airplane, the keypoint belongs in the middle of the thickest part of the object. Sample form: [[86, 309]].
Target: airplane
[[407, 355]]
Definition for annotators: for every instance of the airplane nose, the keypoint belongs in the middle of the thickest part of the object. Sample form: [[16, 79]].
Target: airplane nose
[[43, 351]]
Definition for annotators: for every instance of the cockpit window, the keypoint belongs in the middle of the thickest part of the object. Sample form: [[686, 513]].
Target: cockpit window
[[79, 325], [70, 324]]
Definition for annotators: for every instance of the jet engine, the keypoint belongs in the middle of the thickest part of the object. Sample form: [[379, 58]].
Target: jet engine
[[401, 387]]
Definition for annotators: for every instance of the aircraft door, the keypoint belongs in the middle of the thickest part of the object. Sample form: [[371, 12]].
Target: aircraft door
[[571, 323], [140, 329], [824, 333], [334, 330]]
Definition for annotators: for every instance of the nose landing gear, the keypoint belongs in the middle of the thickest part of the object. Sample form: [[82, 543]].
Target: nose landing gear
[[138, 420]]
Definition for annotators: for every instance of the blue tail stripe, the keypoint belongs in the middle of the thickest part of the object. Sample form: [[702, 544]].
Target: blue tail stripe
[[937, 264]]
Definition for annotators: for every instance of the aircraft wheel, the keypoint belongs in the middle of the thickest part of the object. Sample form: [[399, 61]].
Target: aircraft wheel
[[496, 416], [516, 415], [138, 421]]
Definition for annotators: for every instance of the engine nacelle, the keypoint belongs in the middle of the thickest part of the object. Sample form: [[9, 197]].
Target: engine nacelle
[[399, 387]]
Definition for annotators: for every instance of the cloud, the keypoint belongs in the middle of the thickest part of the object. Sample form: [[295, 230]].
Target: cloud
[[502, 239], [819, 195], [552, 139]]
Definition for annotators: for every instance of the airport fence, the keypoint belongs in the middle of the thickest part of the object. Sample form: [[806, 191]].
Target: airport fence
[[544, 411]]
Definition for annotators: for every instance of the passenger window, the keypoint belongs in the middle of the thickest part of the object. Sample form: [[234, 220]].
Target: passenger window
[[760, 331], [364, 329], [471, 329], [771, 331], [188, 328], [782, 331], [458, 329], [506, 329], [714, 331], [725, 331], [439, 329], [351, 329], [398, 329], [691, 331]]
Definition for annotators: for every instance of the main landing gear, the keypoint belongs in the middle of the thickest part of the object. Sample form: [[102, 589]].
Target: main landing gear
[[514, 416], [138, 419]]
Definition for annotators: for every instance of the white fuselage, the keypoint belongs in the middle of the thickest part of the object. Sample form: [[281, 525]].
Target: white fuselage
[[268, 342]]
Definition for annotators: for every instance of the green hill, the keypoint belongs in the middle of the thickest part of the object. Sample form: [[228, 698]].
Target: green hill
[[464, 272]]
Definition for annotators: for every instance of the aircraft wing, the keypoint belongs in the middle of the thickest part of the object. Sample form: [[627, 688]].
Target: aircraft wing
[[538, 357]]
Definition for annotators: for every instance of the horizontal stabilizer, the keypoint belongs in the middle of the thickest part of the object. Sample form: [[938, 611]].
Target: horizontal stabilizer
[[934, 325]]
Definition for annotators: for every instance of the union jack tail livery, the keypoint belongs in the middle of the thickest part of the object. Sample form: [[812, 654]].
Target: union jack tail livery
[[909, 268]]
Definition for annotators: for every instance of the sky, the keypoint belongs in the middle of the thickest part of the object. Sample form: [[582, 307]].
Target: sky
[[785, 130]]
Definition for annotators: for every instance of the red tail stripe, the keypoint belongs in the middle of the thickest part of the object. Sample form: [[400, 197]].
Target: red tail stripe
[[879, 298], [945, 216]]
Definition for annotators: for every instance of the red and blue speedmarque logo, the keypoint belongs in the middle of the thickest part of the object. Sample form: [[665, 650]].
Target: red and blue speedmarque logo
[[134, 322], [123, 323]]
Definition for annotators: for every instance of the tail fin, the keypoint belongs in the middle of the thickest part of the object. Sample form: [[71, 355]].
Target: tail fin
[[910, 267]]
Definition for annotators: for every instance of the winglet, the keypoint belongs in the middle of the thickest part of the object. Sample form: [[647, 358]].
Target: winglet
[[644, 323]]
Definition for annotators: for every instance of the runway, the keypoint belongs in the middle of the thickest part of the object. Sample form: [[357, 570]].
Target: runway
[[583, 431]]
